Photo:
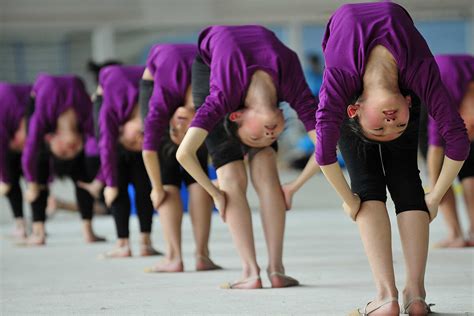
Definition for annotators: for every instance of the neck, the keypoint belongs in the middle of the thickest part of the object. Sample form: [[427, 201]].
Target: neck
[[381, 73], [261, 92], [135, 114], [188, 99], [67, 121]]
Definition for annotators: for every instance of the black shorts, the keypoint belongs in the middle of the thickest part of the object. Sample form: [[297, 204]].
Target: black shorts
[[223, 148], [373, 167], [171, 171], [467, 169]]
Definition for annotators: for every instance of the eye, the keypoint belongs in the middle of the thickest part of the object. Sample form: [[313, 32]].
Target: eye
[[378, 129], [402, 125]]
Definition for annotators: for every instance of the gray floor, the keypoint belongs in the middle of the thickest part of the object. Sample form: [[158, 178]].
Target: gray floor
[[322, 250]]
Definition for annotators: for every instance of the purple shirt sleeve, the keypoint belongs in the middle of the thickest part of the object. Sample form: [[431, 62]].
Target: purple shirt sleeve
[[160, 111], [336, 91], [36, 132], [4, 175], [434, 137], [426, 83], [109, 132], [297, 93], [226, 91]]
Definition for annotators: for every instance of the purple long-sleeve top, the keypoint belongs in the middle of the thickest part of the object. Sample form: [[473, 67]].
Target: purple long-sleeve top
[[53, 96], [234, 54], [170, 65], [120, 85], [352, 32], [14, 100], [456, 73]]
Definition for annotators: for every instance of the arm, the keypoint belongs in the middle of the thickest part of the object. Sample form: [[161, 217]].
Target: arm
[[152, 165], [109, 130], [336, 91], [434, 162], [187, 157], [311, 168], [36, 132], [4, 179], [335, 176], [449, 171], [157, 119]]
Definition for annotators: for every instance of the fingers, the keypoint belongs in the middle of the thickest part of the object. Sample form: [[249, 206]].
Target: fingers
[[83, 185]]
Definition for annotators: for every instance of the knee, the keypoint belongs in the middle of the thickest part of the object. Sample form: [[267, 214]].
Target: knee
[[233, 182]]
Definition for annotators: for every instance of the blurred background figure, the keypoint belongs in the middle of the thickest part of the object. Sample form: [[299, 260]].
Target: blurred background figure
[[14, 103], [457, 74], [120, 146], [60, 141]]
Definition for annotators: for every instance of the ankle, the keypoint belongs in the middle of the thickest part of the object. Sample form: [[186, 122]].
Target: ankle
[[145, 239], [20, 223], [456, 234], [38, 229], [412, 291], [202, 253], [276, 268], [251, 270], [386, 292], [123, 243]]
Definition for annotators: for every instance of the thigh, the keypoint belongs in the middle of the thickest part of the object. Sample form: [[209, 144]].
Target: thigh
[[140, 181], [43, 165], [400, 160], [169, 167], [363, 162], [467, 170], [222, 148], [14, 167]]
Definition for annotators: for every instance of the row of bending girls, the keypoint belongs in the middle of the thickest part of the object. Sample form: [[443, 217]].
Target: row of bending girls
[[168, 106], [60, 142], [457, 74], [14, 103], [223, 95]]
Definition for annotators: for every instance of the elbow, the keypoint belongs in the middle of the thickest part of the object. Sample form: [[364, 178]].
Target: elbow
[[181, 155]]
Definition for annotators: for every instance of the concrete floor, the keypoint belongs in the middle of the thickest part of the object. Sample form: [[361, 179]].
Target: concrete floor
[[322, 250]]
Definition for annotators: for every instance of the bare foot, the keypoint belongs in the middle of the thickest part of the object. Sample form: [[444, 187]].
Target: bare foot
[[417, 307], [19, 234], [117, 252], [451, 243], [94, 238], [250, 283], [470, 240], [378, 308], [279, 280], [206, 264], [166, 266], [34, 240], [148, 250]]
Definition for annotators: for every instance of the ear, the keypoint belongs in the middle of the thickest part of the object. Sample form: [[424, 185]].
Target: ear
[[408, 99], [235, 116], [352, 110], [48, 137]]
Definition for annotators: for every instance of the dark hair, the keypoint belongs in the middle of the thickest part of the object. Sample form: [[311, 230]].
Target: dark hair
[[95, 68], [232, 130]]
